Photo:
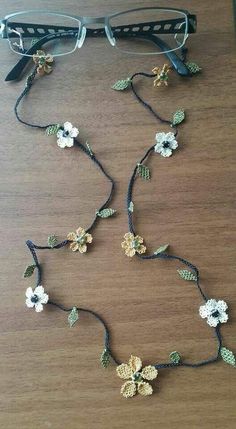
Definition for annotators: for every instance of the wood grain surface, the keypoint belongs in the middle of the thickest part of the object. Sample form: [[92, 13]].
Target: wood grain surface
[[50, 376]]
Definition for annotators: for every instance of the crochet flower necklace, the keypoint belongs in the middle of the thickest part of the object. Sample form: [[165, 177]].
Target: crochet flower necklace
[[135, 375]]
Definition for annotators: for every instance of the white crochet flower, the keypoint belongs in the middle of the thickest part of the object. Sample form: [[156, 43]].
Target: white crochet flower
[[214, 311], [65, 136], [36, 298], [166, 143]]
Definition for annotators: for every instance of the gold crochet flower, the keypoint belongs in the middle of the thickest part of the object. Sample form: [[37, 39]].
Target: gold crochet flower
[[133, 371], [43, 61], [162, 75], [79, 240], [133, 244]]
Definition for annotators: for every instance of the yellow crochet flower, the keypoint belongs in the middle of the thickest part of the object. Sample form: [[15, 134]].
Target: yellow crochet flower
[[43, 61], [133, 244], [79, 240], [162, 75], [137, 375]]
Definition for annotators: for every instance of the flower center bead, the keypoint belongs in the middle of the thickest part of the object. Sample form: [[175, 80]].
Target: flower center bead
[[216, 313], [135, 244], [34, 299], [65, 133], [136, 377], [166, 145], [81, 239], [42, 61]]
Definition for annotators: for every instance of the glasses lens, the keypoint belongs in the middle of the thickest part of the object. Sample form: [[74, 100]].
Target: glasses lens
[[58, 34], [149, 31]]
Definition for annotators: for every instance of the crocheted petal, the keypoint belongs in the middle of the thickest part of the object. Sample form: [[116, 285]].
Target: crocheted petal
[[212, 321], [149, 372], [124, 371], [203, 311], [89, 238], [61, 142], [221, 305], [74, 132], [166, 152], [141, 249], [130, 252], [170, 137], [40, 70], [39, 291], [211, 305], [72, 236], [158, 147], [38, 307], [49, 58], [69, 141], [129, 236], [135, 363], [29, 303], [83, 248], [173, 144], [125, 245], [139, 239], [44, 299], [128, 389], [60, 133], [74, 246], [223, 317], [144, 388], [160, 137], [67, 126], [80, 231], [47, 69], [40, 53], [29, 292]]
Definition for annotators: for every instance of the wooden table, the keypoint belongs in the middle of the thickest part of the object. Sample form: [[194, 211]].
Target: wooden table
[[50, 374]]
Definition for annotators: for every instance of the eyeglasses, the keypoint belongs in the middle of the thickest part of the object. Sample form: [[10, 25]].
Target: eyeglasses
[[142, 31]]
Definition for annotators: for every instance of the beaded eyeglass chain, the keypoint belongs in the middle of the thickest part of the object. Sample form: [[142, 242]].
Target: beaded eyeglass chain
[[136, 377]]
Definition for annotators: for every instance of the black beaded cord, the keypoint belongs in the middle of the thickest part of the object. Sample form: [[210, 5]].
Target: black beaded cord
[[33, 247]]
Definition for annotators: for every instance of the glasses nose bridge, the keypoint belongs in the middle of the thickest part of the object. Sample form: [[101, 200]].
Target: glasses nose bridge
[[86, 20], [92, 20]]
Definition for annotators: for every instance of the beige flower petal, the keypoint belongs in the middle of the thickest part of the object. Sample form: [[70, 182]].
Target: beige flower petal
[[72, 236], [125, 245], [139, 239], [74, 246], [128, 389], [89, 238], [149, 372], [144, 388], [82, 248], [49, 58], [130, 252], [40, 70], [124, 371], [141, 249], [129, 236], [80, 231], [47, 69], [135, 363]]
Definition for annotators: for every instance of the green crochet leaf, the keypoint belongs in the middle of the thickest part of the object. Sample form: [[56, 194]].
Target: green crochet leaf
[[187, 275], [131, 207], [106, 213], [175, 357], [52, 241], [52, 129], [105, 358], [178, 117], [33, 41], [228, 356], [73, 316], [89, 149], [122, 84], [193, 67], [161, 249], [144, 172], [29, 270]]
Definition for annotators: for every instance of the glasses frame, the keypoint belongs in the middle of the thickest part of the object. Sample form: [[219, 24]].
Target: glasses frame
[[107, 30]]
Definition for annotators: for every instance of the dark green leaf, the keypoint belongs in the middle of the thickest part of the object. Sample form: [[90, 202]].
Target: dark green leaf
[[105, 358], [193, 67], [178, 117], [29, 270], [161, 249], [33, 41], [122, 84], [73, 316], [52, 129], [228, 356], [187, 275], [52, 241], [175, 357], [106, 213], [144, 172]]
